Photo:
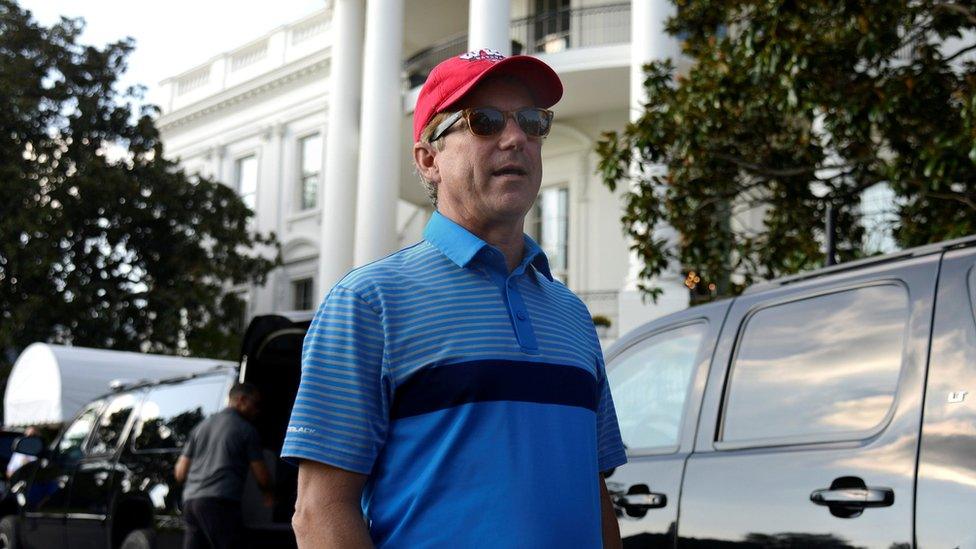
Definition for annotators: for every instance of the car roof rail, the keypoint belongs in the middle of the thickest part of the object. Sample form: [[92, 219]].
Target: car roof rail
[[918, 251], [119, 385]]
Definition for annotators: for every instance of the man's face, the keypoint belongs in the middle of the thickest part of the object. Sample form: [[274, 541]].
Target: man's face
[[492, 179]]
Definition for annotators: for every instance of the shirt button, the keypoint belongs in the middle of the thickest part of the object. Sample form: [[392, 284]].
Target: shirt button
[[520, 315]]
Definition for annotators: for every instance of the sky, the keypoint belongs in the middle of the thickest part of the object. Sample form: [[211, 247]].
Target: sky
[[172, 36]]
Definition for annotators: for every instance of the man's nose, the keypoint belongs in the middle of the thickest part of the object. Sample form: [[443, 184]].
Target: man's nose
[[512, 134]]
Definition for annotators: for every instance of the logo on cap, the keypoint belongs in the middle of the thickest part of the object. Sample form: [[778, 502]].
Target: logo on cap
[[482, 55]]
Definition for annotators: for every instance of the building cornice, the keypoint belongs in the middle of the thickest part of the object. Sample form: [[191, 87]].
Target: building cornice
[[249, 128], [261, 85]]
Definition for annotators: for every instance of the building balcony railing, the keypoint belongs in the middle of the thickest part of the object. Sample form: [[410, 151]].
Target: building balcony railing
[[548, 32], [417, 67], [585, 27]]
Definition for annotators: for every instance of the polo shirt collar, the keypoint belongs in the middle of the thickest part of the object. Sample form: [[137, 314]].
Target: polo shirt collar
[[536, 257], [461, 247]]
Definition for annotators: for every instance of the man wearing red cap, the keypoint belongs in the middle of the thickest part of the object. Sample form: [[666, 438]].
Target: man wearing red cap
[[454, 393]]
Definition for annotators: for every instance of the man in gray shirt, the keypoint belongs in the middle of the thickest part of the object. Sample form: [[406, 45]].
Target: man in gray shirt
[[214, 465]]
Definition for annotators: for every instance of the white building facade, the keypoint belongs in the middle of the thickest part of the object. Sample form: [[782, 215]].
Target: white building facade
[[311, 124]]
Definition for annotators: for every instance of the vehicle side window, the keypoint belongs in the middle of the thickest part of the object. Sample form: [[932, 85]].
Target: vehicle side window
[[108, 432], [170, 412], [824, 368], [72, 442], [650, 384]]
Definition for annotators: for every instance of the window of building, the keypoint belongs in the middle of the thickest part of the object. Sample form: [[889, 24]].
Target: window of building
[[239, 309], [246, 175], [109, 431], [879, 217], [302, 292], [551, 25], [551, 231], [650, 386], [824, 368], [310, 164], [170, 412]]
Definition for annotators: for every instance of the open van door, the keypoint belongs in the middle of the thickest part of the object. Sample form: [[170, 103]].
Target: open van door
[[271, 359]]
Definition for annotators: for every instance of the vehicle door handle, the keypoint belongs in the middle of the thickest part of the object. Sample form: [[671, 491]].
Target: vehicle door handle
[[643, 501], [639, 497], [847, 497], [855, 497]]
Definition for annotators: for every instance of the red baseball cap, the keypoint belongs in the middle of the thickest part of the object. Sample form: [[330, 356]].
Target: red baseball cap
[[454, 77]]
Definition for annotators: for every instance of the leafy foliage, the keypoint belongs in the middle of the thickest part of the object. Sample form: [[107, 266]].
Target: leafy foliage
[[788, 107], [125, 253]]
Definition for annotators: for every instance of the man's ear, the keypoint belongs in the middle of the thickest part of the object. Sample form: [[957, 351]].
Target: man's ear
[[423, 158]]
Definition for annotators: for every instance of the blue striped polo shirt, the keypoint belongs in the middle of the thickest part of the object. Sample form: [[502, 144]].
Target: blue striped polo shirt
[[474, 399]]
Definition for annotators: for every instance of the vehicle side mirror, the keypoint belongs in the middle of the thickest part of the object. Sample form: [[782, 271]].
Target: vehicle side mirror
[[31, 446]]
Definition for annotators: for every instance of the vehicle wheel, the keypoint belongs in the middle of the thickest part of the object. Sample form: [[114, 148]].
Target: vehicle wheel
[[140, 539], [9, 533]]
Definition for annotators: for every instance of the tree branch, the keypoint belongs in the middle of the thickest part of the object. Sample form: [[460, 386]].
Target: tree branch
[[786, 172], [765, 170], [955, 197], [960, 9], [960, 52], [952, 196], [732, 194]]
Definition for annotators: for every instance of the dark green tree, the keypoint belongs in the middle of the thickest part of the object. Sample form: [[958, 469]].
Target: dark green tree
[[787, 107], [119, 251]]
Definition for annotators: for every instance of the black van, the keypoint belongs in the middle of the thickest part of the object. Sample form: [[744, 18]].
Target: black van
[[107, 480]]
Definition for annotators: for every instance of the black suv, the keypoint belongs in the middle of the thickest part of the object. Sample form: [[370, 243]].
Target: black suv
[[107, 479], [829, 409]]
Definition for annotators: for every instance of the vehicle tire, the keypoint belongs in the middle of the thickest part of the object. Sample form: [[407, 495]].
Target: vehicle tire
[[140, 539], [9, 533]]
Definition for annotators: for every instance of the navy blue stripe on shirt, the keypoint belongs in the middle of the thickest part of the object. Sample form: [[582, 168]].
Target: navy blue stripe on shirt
[[449, 385]]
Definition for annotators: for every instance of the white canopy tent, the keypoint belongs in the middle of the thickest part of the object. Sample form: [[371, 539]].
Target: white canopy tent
[[50, 383]]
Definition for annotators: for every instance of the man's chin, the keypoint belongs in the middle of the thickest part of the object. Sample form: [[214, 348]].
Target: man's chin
[[511, 210]]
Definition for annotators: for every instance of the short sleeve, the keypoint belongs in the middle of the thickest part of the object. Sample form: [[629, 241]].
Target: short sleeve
[[340, 416], [189, 449], [610, 447]]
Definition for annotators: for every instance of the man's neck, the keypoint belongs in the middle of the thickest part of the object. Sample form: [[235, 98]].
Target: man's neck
[[507, 237], [509, 241]]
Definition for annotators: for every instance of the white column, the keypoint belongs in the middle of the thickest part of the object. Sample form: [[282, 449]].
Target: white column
[[488, 25], [217, 166], [381, 140], [271, 194], [341, 142], [649, 42], [278, 280]]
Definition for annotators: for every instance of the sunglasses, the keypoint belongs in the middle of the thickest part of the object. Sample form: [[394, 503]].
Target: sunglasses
[[485, 121]]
